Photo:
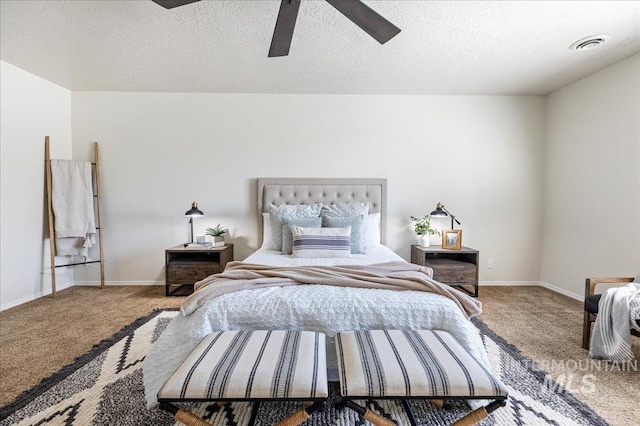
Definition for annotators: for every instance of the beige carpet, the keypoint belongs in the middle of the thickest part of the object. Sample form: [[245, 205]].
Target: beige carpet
[[40, 337]]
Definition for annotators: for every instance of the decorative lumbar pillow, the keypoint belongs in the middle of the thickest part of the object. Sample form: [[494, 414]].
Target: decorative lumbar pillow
[[285, 211], [357, 230], [344, 209], [372, 231], [287, 236], [321, 242]]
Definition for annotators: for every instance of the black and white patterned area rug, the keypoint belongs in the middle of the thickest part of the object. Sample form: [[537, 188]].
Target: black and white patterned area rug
[[104, 387]]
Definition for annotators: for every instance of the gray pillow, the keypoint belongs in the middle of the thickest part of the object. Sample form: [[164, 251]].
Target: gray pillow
[[287, 236], [357, 230], [285, 211], [344, 209]]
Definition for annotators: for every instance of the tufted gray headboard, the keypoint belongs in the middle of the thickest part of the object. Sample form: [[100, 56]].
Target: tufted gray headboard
[[327, 191]]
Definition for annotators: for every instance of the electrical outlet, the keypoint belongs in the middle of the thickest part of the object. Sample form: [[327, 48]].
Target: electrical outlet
[[490, 263]]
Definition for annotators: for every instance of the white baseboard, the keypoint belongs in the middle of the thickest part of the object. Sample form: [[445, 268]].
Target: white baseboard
[[538, 283], [567, 293], [117, 283], [59, 286], [529, 283]]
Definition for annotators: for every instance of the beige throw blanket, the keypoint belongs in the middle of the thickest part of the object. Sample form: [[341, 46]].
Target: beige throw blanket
[[72, 200], [388, 276]]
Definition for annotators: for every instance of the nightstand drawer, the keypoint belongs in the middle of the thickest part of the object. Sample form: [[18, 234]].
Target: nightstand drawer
[[452, 271], [189, 273]]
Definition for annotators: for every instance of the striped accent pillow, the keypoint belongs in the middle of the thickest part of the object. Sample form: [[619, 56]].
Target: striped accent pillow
[[321, 242], [287, 236], [399, 363], [252, 364]]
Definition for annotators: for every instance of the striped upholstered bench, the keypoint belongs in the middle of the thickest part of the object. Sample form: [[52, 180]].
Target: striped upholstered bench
[[251, 366], [403, 364]]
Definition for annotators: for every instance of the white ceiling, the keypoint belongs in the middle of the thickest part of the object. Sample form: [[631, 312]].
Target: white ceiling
[[447, 47]]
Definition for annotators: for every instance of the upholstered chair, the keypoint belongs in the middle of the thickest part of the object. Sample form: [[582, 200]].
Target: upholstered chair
[[591, 302]]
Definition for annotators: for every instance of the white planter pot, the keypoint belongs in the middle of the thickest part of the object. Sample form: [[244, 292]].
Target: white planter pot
[[424, 240], [217, 241]]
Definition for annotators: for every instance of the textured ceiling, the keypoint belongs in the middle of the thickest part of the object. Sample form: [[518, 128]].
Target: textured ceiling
[[450, 47]]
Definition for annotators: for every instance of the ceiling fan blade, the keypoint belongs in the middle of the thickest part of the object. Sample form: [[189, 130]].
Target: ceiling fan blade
[[285, 24], [367, 19], [170, 4]]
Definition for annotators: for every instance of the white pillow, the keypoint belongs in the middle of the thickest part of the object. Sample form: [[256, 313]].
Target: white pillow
[[321, 242], [372, 231], [267, 234]]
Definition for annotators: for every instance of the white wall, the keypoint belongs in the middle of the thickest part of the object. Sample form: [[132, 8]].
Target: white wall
[[480, 155], [30, 109], [592, 179], [484, 157]]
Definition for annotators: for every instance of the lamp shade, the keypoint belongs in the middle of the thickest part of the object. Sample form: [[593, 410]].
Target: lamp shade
[[194, 211], [441, 211], [438, 211]]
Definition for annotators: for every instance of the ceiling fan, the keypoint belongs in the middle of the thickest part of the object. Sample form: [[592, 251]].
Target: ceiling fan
[[359, 13]]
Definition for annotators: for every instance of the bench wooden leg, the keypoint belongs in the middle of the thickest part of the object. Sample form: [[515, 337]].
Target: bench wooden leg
[[437, 402], [302, 414], [480, 414], [182, 415], [370, 416], [189, 418], [295, 419], [377, 419], [472, 418]]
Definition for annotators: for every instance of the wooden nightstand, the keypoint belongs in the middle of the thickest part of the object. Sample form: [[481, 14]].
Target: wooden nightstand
[[457, 268], [186, 265]]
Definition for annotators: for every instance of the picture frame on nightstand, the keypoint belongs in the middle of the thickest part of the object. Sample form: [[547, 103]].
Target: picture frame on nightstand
[[452, 239]]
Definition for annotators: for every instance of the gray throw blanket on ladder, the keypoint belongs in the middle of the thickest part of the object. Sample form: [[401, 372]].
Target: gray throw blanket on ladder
[[618, 312]]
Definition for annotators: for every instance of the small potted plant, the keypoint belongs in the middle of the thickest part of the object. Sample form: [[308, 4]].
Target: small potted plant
[[217, 235], [423, 228]]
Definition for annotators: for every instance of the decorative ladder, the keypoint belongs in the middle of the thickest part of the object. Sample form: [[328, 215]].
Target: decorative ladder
[[97, 194]]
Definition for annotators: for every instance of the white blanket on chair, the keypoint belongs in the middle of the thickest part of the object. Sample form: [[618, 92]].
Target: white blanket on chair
[[72, 199], [618, 310]]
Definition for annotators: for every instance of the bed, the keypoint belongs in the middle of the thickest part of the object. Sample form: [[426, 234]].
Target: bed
[[324, 308]]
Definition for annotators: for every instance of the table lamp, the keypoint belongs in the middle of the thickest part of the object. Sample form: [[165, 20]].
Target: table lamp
[[441, 211], [194, 211]]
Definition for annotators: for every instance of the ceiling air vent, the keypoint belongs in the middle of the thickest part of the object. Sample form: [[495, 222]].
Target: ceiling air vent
[[589, 42]]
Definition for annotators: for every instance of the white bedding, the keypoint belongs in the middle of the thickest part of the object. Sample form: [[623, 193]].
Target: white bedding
[[327, 309]]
